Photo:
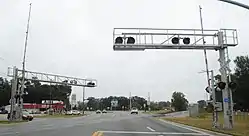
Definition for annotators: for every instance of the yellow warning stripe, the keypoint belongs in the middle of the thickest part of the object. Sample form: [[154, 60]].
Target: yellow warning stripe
[[97, 133], [100, 134]]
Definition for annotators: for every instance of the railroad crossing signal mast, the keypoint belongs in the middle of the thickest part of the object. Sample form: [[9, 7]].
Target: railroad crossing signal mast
[[140, 39], [16, 100]]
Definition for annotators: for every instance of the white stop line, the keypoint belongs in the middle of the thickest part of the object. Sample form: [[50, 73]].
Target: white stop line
[[151, 133]]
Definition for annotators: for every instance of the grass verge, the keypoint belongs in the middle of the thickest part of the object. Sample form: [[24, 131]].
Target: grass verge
[[58, 116], [8, 122], [241, 126], [158, 112]]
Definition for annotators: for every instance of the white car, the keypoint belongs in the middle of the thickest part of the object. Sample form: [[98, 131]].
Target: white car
[[134, 111], [69, 112], [75, 112]]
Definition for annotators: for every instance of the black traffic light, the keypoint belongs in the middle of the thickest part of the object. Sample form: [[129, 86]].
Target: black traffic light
[[130, 40], [119, 40], [221, 85], [208, 89], [186, 40], [175, 40], [232, 85], [1, 82], [90, 84]]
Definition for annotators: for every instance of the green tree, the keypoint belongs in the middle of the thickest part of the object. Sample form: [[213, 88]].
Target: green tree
[[5, 92], [179, 102], [241, 94]]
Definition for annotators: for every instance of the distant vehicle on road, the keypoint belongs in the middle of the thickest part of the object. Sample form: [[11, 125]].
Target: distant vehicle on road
[[73, 112], [134, 110], [69, 112], [3, 112], [98, 112], [104, 111]]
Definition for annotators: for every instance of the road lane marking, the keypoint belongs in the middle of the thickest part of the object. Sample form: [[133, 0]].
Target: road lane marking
[[152, 133], [185, 127], [95, 133], [100, 134], [113, 115], [150, 129]]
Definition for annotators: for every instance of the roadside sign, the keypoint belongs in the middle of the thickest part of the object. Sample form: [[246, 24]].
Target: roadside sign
[[226, 99], [114, 103]]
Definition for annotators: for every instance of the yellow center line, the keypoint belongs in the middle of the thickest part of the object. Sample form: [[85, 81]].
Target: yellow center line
[[95, 133], [100, 134]]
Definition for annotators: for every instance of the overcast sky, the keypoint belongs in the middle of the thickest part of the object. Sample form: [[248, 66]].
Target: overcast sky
[[74, 38]]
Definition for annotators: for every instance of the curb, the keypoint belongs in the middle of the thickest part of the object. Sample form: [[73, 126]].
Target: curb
[[195, 129]]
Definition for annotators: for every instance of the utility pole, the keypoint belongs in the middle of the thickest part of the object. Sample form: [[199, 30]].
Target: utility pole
[[226, 93], [236, 3], [215, 114], [23, 64], [13, 93], [130, 101], [205, 51], [148, 101], [83, 104]]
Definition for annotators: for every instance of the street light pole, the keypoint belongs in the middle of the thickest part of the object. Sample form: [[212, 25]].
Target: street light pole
[[83, 104], [236, 3], [21, 92], [205, 51], [130, 101]]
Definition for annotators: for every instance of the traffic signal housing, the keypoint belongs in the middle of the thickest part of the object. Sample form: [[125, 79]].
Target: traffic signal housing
[[130, 40], [221, 85], [175, 40], [232, 85], [119, 40], [186, 40], [90, 84]]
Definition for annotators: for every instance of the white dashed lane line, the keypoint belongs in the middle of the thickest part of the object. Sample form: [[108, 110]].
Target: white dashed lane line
[[152, 133], [151, 129]]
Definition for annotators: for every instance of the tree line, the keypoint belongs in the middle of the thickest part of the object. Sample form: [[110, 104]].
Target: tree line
[[241, 92], [36, 92], [123, 103]]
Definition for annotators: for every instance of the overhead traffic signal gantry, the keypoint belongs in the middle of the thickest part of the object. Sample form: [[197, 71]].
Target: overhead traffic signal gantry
[[126, 39], [191, 39]]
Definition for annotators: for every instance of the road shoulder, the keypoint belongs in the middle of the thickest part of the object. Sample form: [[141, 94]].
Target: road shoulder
[[195, 129]]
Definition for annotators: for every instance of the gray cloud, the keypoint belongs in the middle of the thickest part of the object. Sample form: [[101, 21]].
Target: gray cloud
[[75, 38]]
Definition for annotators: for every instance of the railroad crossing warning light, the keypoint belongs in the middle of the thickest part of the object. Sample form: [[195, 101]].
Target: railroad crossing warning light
[[130, 40], [208, 89], [175, 40], [186, 40], [221, 85], [1, 82], [119, 40], [232, 85], [90, 84]]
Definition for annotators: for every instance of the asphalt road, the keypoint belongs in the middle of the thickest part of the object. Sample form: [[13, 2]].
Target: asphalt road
[[109, 124]]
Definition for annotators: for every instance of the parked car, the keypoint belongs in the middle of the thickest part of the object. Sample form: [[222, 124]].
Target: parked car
[[69, 112], [3, 112], [25, 116], [134, 111], [98, 112], [104, 111], [75, 112]]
